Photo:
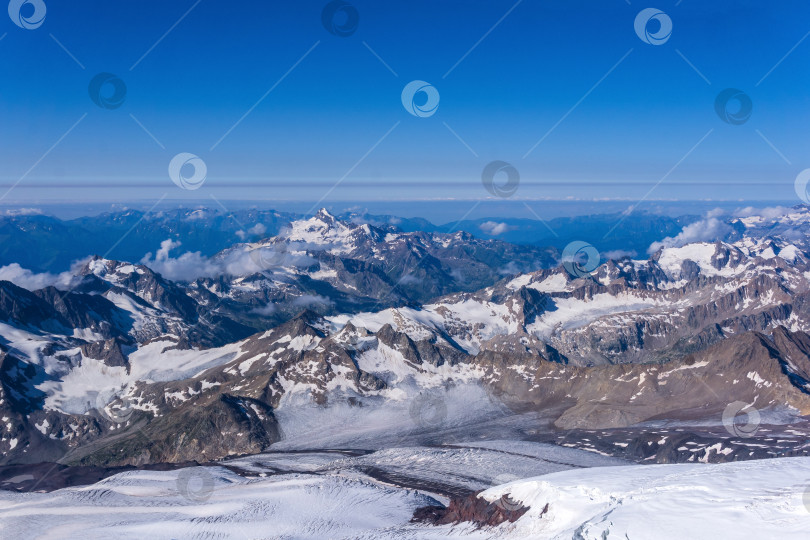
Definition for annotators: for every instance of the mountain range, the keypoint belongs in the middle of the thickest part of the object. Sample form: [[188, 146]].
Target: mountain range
[[334, 332], [44, 243]]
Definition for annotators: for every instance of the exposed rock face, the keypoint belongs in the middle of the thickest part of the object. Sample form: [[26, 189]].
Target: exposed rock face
[[156, 306], [108, 351], [473, 509], [18, 305], [418, 352], [219, 426], [764, 371], [87, 311], [12, 413]]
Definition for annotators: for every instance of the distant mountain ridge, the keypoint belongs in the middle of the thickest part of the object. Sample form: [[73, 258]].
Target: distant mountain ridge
[[43, 243]]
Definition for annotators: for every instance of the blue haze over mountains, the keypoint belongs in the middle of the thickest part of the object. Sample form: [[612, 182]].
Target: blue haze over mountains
[[44, 243]]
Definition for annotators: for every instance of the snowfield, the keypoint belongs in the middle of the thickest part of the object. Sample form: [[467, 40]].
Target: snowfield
[[753, 499], [750, 499], [208, 503]]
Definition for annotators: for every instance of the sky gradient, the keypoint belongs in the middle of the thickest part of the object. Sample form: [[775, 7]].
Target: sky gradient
[[615, 117]]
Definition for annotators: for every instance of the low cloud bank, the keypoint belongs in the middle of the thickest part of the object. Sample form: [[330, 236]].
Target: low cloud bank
[[242, 261], [705, 230], [22, 277]]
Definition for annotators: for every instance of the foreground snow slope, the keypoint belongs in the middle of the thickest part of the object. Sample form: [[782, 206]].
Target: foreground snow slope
[[208, 503], [753, 499]]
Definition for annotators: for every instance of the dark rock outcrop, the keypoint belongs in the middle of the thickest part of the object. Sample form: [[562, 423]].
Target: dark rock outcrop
[[473, 509]]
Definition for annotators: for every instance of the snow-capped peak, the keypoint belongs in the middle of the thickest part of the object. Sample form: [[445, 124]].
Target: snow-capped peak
[[321, 230], [110, 270], [324, 215]]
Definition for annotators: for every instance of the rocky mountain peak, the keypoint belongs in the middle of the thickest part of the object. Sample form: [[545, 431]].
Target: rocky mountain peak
[[324, 215]]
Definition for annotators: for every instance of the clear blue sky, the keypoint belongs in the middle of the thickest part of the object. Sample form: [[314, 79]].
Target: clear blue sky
[[331, 109]]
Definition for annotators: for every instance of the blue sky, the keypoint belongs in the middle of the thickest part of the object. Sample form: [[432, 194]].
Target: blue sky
[[337, 114]]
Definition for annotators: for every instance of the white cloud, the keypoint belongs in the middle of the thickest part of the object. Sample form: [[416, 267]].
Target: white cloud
[[363, 219], [237, 262], [770, 212], [510, 269], [706, 230], [257, 230], [22, 277], [458, 275], [619, 254], [494, 229], [187, 267], [309, 300], [22, 212], [409, 279], [265, 310], [265, 259]]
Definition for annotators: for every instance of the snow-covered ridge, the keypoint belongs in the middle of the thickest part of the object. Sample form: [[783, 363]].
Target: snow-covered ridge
[[325, 229], [752, 499]]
